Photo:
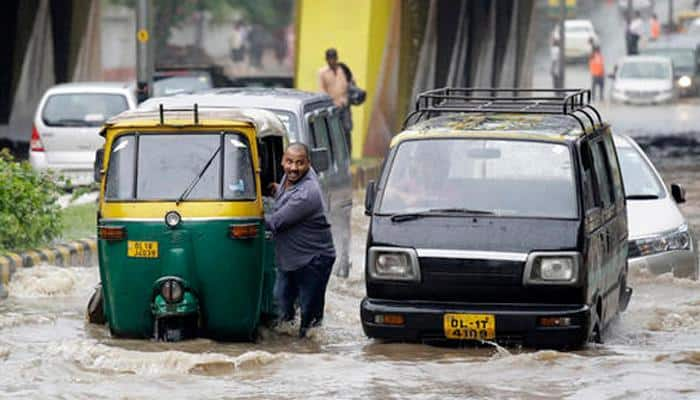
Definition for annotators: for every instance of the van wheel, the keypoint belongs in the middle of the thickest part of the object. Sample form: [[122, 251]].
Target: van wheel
[[95, 308]]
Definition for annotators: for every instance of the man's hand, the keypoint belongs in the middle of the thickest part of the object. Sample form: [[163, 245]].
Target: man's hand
[[273, 188]]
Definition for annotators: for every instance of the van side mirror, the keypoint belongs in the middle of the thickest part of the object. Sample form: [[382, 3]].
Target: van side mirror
[[678, 193], [97, 168], [319, 159], [370, 194]]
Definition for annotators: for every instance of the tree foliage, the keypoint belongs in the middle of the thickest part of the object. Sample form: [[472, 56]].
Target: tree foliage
[[29, 215]]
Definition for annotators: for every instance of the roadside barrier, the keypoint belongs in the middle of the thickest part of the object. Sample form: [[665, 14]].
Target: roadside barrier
[[75, 253]]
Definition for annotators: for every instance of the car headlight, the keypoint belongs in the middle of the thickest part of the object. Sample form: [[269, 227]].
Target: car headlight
[[684, 81], [393, 263], [552, 268], [678, 239]]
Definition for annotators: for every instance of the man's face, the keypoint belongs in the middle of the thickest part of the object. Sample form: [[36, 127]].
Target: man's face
[[295, 163], [332, 62]]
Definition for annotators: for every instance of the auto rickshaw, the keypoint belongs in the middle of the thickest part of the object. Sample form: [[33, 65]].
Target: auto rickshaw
[[181, 241]]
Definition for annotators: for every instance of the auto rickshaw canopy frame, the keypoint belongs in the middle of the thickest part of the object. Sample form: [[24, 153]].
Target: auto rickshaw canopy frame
[[574, 103]]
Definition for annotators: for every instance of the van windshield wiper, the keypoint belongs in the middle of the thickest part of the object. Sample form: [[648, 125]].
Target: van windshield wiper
[[437, 212], [642, 197], [197, 178]]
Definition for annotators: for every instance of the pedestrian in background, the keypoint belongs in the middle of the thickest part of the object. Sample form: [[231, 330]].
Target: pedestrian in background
[[655, 27], [554, 53], [634, 33], [334, 79], [596, 66]]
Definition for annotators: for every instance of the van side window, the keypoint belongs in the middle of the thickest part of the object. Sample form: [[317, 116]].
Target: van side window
[[603, 175], [320, 134], [614, 168], [340, 148], [591, 194]]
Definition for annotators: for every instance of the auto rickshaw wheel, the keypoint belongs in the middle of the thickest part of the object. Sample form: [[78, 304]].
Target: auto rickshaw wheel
[[95, 308]]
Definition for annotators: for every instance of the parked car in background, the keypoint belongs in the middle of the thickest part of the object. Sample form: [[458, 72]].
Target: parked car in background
[[660, 238], [579, 34], [643, 80], [684, 52], [65, 134]]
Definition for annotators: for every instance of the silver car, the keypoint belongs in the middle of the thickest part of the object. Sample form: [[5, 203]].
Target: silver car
[[65, 134], [660, 239]]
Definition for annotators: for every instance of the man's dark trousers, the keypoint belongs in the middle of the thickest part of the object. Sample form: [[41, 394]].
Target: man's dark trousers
[[308, 283]]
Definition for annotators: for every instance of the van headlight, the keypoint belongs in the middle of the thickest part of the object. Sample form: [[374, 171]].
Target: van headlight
[[552, 268], [684, 82], [678, 239], [393, 263]]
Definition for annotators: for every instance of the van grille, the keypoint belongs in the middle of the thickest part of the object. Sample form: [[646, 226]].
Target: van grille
[[468, 272]]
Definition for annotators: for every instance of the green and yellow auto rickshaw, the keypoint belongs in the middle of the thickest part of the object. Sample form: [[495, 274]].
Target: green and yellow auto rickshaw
[[181, 241]]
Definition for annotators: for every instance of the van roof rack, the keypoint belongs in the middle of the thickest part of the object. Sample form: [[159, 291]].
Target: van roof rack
[[572, 102]]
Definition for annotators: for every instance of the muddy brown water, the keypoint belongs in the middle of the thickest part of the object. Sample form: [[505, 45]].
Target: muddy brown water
[[48, 351]]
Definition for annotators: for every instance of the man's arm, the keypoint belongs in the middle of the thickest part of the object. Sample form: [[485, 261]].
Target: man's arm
[[301, 205]]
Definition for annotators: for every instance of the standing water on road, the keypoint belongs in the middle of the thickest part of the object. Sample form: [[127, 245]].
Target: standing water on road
[[48, 350]]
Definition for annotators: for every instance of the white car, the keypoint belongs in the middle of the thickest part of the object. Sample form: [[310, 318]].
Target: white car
[[65, 134], [660, 239], [643, 80], [579, 35]]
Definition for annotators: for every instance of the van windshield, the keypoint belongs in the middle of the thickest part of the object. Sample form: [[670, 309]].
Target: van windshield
[[500, 177], [82, 109], [160, 167]]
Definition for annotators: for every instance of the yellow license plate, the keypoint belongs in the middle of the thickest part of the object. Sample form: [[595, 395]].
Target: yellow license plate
[[142, 249], [470, 326]]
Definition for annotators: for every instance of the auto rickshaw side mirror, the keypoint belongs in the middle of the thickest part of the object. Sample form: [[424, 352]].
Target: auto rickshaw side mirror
[[678, 193], [319, 159], [97, 168], [370, 194]]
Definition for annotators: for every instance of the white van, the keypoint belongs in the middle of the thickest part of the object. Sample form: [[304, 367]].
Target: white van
[[65, 133]]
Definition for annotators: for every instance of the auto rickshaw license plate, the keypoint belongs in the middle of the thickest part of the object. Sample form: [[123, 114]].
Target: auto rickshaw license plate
[[469, 326], [142, 249]]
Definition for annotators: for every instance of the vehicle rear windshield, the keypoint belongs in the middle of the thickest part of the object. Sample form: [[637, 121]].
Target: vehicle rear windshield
[[181, 84], [681, 58], [645, 70], [289, 121], [82, 109], [153, 167], [503, 177], [638, 177]]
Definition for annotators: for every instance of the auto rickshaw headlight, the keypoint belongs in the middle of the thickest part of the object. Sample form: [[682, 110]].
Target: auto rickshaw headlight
[[172, 291], [172, 219], [552, 268]]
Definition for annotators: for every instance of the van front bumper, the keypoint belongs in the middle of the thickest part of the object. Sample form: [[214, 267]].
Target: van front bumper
[[516, 324]]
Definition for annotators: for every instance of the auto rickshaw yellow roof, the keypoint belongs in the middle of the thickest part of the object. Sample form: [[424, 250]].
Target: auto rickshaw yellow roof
[[265, 122]]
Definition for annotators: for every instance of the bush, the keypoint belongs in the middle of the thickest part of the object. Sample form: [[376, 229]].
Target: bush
[[29, 214]]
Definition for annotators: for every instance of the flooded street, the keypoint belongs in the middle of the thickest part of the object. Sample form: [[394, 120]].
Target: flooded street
[[652, 351], [47, 350]]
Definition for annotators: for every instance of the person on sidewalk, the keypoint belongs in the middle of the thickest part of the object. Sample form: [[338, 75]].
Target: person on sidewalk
[[555, 61], [596, 66], [634, 33], [334, 79], [654, 27], [304, 252]]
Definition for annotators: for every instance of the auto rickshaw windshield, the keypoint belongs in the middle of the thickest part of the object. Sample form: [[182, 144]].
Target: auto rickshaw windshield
[[499, 177], [161, 166]]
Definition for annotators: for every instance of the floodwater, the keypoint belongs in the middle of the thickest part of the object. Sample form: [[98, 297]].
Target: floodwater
[[48, 351]]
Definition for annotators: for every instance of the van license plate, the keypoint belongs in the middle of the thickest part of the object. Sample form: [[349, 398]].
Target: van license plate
[[142, 249], [470, 326]]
